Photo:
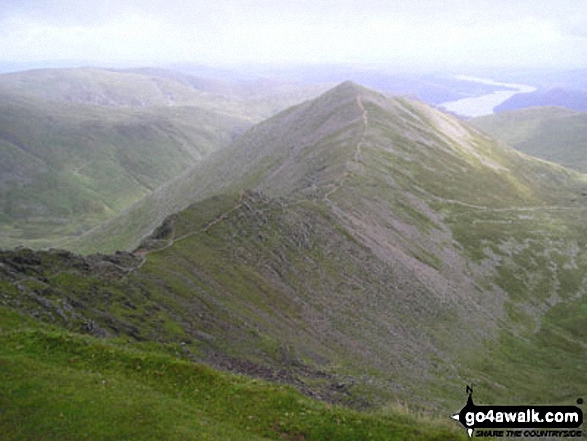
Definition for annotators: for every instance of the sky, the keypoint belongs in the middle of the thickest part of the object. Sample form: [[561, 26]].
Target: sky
[[445, 33]]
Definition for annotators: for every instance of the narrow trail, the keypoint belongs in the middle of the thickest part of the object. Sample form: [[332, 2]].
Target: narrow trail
[[143, 253], [356, 156], [509, 209], [366, 123]]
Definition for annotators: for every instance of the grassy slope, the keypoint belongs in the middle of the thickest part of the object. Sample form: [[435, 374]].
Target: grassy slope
[[259, 290], [518, 223], [107, 88], [507, 223], [265, 151], [116, 390], [307, 148], [550, 133], [79, 145]]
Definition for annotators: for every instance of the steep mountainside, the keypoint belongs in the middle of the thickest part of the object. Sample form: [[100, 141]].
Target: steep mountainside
[[551, 133], [80, 145], [387, 248], [312, 148]]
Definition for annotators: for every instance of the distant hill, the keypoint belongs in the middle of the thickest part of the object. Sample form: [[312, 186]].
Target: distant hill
[[570, 99], [542, 78], [155, 87], [552, 133], [98, 87], [66, 167]]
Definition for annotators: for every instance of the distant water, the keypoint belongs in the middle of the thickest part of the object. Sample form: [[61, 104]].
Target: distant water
[[484, 104]]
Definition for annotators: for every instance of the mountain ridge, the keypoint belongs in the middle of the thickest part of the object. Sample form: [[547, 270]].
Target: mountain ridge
[[151, 88], [80, 145], [283, 150], [367, 221], [363, 249], [225, 170]]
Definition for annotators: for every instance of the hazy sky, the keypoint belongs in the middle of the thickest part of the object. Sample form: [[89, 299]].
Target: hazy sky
[[445, 33]]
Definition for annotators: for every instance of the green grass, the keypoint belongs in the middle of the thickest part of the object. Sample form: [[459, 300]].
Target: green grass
[[63, 386]]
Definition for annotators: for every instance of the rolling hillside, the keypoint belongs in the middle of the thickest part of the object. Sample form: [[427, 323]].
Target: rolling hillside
[[99, 87], [551, 133], [364, 249]]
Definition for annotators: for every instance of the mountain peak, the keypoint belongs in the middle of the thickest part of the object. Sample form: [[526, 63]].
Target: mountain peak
[[349, 85], [350, 88], [343, 145]]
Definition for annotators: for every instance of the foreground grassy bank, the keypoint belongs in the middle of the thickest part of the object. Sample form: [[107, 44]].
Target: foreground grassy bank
[[56, 385]]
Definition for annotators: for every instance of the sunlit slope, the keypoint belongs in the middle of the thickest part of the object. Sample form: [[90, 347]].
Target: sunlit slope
[[403, 234], [551, 133], [67, 167]]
